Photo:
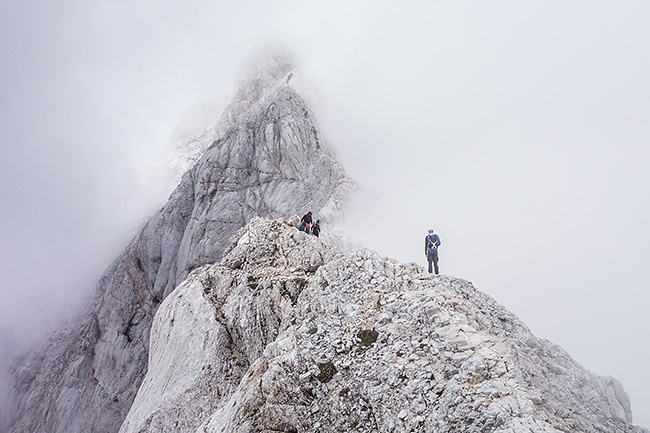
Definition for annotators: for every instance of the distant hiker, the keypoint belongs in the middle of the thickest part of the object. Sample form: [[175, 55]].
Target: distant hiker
[[305, 223], [315, 228], [431, 244]]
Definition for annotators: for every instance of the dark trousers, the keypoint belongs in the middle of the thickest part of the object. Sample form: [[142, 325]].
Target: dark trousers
[[432, 257]]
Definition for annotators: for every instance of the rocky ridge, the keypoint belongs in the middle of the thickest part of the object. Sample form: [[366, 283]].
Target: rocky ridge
[[291, 333], [268, 162], [207, 324]]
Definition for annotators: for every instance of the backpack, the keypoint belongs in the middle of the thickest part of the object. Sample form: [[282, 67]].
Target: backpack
[[432, 244]]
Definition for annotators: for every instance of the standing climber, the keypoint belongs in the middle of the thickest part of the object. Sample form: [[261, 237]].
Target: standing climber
[[431, 244], [305, 223], [315, 229]]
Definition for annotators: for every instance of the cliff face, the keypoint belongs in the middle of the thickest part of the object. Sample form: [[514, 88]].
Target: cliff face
[[290, 333], [268, 162], [216, 320]]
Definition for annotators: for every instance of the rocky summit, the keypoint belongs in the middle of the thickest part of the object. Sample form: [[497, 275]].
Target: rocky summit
[[269, 161], [221, 316], [289, 333]]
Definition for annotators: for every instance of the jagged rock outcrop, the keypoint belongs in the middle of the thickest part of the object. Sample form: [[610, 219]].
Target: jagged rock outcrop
[[262, 75], [213, 320], [269, 162], [290, 333]]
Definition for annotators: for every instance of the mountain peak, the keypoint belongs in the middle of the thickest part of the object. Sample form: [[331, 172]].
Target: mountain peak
[[266, 68], [261, 75], [221, 316], [268, 162], [288, 333]]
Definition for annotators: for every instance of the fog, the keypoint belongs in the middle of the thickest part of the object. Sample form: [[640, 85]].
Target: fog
[[518, 131]]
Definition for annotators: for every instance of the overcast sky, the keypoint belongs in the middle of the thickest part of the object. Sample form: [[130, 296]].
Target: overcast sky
[[519, 131]]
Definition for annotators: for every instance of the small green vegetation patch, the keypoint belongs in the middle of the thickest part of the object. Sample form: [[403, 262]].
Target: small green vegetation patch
[[367, 337], [301, 283], [285, 293], [327, 371], [252, 282], [292, 289], [312, 330]]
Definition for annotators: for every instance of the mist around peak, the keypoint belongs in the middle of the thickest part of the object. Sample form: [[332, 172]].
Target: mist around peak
[[533, 114]]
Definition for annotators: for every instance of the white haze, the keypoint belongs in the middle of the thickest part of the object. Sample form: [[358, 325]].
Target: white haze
[[518, 130]]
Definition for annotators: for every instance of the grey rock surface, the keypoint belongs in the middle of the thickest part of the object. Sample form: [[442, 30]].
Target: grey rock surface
[[268, 163], [216, 320], [290, 333], [262, 75]]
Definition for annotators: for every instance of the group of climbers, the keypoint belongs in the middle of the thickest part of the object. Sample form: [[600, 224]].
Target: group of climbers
[[307, 226], [431, 241]]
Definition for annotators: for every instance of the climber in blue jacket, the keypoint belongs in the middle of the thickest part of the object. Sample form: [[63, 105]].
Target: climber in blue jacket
[[431, 244]]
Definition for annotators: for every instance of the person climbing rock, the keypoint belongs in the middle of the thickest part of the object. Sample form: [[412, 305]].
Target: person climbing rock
[[305, 223], [315, 229], [431, 244]]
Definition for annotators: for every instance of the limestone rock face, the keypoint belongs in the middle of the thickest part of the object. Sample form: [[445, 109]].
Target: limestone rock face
[[220, 316], [290, 333], [269, 163], [262, 76]]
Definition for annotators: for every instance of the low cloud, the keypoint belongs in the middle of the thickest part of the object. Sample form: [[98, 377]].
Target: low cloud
[[516, 131]]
